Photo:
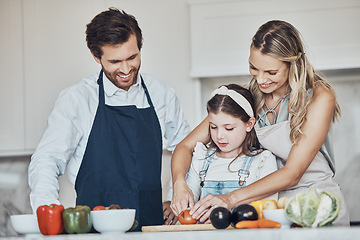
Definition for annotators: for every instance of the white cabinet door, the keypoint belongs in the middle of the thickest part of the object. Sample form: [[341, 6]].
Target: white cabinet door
[[221, 32], [11, 78], [56, 55]]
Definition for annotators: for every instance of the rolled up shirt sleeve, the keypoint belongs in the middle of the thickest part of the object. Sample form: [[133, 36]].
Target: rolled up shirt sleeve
[[54, 151]]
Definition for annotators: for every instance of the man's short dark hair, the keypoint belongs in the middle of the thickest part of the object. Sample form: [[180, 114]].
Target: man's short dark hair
[[111, 27]]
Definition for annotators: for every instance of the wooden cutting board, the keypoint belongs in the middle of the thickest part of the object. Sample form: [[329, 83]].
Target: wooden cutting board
[[178, 227]]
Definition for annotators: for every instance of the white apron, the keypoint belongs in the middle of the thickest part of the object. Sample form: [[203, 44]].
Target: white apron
[[276, 138]]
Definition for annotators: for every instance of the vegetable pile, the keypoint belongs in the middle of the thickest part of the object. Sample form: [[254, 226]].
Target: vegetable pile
[[54, 219]]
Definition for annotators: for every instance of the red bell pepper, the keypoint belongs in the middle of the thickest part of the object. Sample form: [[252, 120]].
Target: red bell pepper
[[50, 219]]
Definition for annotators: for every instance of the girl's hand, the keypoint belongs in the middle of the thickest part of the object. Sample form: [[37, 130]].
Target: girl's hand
[[204, 207], [182, 197]]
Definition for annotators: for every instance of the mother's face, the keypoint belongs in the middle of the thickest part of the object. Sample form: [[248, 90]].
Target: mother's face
[[270, 73]]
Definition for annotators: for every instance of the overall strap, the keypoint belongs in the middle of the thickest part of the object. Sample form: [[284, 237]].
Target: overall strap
[[244, 170], [208, 158]]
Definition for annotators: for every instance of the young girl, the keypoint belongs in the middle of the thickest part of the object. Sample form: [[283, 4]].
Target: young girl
[[233, 159]]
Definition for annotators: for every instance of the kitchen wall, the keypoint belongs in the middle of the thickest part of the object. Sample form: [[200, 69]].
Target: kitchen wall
[[166, 55]]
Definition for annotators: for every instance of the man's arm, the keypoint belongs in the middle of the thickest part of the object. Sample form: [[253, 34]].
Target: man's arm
[[50, 159]]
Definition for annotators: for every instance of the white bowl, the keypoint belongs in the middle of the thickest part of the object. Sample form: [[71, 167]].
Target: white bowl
[[113, 221], [277, 215], [25, 224]]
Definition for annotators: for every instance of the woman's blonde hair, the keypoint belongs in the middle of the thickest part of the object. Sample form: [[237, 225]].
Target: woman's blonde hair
[[282, 41]]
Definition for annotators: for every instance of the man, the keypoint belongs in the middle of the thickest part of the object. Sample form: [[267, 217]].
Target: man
[[107, 130]]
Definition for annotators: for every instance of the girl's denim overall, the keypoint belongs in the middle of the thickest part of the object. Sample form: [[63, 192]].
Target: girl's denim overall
[[217, 187]]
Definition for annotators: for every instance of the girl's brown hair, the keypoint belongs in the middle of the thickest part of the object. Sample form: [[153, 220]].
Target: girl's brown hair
[[225, 104]]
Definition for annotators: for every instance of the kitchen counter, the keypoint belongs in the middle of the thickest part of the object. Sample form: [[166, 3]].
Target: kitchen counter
[[232, 234]]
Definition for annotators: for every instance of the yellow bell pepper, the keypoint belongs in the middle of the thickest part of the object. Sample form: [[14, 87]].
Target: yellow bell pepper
[[263, 204]]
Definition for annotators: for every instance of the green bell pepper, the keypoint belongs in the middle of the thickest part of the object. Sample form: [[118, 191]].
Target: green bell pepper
[[77, 219]]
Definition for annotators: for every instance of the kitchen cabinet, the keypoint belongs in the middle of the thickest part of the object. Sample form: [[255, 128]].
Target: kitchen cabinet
[[43, 50], [12, 122], [52, 64], [221, 32]]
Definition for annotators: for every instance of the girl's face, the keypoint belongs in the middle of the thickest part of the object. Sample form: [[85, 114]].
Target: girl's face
[[270, 73], [228, 133]]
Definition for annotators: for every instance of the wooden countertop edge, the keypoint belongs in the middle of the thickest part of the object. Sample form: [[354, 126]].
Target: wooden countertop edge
[[174, 228]]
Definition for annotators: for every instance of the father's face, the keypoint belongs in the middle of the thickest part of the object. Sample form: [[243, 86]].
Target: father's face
[[121, 63]]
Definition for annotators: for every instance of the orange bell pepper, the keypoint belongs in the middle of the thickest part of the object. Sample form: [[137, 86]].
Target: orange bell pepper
[[50, 219]]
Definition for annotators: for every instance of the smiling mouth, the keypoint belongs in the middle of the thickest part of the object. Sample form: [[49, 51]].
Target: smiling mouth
[[124, 76], [265, 85]]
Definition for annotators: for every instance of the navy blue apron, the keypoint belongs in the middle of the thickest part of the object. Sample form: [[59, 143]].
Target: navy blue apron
[[122, 160]]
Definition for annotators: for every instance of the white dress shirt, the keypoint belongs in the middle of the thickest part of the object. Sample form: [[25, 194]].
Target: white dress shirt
[[69, 124]]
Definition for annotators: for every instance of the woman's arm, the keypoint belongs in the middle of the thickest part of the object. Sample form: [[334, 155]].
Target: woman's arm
[[180, 163], [319, 116]]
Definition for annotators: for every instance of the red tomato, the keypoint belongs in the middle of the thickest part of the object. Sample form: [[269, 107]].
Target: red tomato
[[99, 208], [185, 218]]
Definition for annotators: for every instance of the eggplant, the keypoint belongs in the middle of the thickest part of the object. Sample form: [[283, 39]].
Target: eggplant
[[220, 218], [243, 212]]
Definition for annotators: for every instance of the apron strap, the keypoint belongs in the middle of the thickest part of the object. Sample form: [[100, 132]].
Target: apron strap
[[146, 92], [101, 89]]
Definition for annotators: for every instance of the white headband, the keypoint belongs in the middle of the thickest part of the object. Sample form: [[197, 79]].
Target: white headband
[[237, 97]]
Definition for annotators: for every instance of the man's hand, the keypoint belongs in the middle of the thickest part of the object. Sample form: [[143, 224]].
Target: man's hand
[[169, 216]]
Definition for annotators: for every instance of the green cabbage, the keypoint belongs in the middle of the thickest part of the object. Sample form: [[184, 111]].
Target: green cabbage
[[313, 208]]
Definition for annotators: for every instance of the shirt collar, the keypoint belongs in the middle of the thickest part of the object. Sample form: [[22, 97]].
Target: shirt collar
[[110, 89]]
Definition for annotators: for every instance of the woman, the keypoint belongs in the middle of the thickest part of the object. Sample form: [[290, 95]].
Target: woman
[[295, 110]]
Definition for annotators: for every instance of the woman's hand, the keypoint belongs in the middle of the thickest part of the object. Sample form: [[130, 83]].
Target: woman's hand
[[204, 207], [182, 197]]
